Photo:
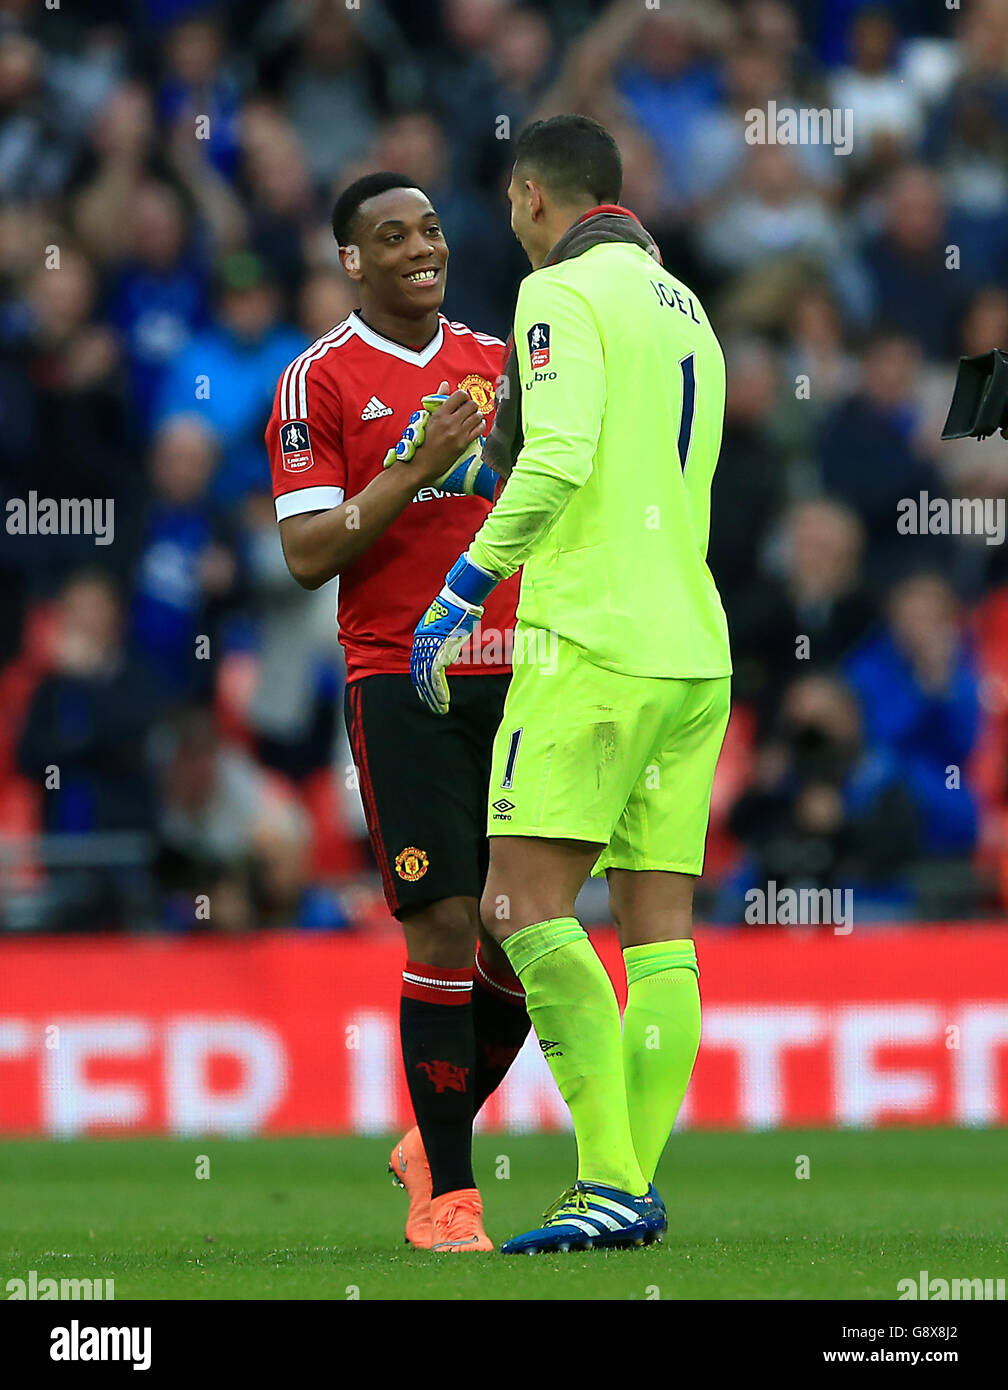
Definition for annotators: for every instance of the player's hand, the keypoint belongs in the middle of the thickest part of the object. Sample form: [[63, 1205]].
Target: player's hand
[[445, 627], [439, 435], [468, 475]]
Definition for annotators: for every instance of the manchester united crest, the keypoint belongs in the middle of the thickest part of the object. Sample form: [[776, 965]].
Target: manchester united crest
[[411, 863], [481, 391]]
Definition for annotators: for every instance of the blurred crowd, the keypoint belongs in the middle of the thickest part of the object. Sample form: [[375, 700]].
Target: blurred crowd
[[172, 731]]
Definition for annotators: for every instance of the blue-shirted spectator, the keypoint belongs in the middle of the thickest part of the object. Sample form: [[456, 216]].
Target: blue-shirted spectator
[[670, 83], [918, 690], [186, 569], [871, 457], [90, 718], [283, 891], [198, 95], [159, 298], [227, 375], [825, 808], [913, 287]]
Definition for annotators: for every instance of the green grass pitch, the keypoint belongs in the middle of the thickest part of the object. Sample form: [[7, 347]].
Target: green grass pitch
[[320, 1218]]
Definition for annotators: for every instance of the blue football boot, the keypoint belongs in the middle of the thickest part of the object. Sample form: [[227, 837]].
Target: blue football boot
[[590, 1216]]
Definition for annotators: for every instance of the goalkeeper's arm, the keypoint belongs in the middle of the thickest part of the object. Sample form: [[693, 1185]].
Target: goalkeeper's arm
[[562, 414]]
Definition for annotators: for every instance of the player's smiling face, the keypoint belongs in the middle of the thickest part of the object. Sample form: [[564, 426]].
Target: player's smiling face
[[401, 252]]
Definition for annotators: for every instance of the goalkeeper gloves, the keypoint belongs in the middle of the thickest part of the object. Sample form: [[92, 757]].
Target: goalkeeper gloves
[[468, 475], [445, 627]]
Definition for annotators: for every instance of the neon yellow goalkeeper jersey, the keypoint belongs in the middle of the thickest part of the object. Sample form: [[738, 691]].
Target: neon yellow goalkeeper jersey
[[608, 505]]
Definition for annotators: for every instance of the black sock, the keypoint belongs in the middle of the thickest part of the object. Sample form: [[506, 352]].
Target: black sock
[[439, 1053], [501, 1025]]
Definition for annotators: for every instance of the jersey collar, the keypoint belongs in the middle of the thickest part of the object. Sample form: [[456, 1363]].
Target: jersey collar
[[418, 358], [607, 207]]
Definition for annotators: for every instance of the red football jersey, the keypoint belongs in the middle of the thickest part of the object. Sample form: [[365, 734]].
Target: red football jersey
[[338, 409]]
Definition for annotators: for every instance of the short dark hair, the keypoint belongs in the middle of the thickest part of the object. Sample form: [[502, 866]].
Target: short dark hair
[[349, 201], [574, 156]]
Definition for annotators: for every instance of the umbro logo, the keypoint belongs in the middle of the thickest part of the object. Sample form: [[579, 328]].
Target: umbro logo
[[549, 1046], [503, 804], [375, 409]]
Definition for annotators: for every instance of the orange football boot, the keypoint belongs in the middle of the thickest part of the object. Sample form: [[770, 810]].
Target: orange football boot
[[457, 1221], [410, 1170]]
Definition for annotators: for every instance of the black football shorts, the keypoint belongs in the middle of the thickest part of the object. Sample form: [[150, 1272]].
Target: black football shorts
[[423, 780]]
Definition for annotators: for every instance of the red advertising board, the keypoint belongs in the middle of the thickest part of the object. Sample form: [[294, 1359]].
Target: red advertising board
[[283, 1033]]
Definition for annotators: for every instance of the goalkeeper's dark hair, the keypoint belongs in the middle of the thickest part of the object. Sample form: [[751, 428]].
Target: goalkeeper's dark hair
[[349, 201], [573, 156]]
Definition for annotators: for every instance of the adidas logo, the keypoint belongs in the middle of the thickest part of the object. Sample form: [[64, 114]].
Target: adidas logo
[[547, 1045], [375, 409]]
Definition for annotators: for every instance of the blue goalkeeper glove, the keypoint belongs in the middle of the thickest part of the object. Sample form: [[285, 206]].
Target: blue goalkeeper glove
[[445, 627], [468, 475]]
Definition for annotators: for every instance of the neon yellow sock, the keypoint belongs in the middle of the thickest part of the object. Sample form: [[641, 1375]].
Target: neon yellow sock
[[661, 1036], [573, 1008]]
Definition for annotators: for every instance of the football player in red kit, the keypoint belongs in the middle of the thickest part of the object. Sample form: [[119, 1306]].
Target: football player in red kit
[[339, 408]]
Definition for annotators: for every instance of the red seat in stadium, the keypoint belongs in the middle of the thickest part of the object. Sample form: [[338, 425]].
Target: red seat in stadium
[[335, 851]]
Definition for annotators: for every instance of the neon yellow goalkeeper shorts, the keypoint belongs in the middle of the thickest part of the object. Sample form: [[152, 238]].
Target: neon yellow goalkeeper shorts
[[583, 753]]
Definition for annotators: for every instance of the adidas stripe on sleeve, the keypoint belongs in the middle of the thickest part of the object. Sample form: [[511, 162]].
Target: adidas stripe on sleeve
[[304, 434]]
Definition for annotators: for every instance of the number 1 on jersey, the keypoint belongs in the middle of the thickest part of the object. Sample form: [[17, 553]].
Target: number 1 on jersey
[[686, 366]]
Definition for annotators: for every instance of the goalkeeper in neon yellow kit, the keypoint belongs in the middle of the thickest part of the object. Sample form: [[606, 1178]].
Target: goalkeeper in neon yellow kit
[[604, 760]]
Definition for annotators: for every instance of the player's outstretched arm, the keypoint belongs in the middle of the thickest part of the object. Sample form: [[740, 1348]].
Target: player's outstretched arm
[[320, 545]]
